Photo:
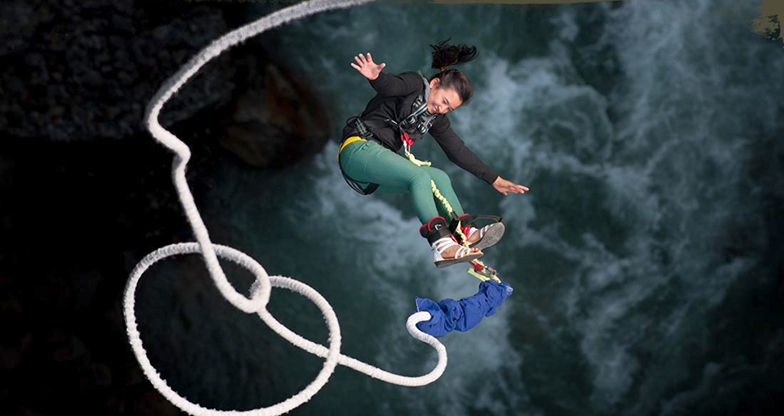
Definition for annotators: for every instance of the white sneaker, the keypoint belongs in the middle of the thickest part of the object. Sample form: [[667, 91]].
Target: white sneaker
[[462, 255]]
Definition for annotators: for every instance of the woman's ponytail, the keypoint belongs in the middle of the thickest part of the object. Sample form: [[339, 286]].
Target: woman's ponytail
[[445, 55]]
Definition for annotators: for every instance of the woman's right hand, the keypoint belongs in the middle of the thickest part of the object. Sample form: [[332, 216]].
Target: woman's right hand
[[504, 186], [367, 67]]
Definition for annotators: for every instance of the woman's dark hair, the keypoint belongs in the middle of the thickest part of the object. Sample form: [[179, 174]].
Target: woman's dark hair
[[445, 55]]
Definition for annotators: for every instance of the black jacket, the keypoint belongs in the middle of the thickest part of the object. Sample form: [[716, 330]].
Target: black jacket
[[395, 95]]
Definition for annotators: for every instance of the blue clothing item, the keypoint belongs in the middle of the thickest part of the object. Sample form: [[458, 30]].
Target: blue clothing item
[[464, 314]]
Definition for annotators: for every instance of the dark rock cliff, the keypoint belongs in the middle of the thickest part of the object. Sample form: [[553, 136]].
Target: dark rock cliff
[[85, 70]]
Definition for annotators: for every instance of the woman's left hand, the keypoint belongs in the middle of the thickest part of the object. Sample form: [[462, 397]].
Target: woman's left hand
[[504, 186]]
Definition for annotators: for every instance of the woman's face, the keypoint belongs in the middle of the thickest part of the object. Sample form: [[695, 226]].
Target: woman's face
[[442, 100]]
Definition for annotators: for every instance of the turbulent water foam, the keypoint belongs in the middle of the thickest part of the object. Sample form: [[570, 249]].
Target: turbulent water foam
[[670, 176]]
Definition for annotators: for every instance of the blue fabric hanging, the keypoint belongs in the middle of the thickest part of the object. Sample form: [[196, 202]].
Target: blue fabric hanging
[[464, 314]]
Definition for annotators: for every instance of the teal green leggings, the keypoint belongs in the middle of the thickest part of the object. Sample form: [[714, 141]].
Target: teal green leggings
[[371, 162]]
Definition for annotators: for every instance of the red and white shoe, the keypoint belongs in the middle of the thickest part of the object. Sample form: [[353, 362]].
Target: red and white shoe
[[462, 255]]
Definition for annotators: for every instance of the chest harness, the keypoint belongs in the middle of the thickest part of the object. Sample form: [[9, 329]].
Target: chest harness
[[412, 127]]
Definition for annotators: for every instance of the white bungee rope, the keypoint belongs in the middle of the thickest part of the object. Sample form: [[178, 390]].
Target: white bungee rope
[[260, 291]]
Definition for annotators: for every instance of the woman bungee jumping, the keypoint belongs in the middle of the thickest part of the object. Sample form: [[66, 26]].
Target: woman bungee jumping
[[407, 106]]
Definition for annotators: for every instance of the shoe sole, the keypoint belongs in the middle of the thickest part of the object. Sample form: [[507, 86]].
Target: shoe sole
[[492, 236], [446, 263]]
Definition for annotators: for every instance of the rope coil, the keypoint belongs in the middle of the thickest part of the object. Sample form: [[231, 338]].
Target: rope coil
[[261, 289]]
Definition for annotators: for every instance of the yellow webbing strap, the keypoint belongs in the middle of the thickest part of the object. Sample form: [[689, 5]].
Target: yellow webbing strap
[[351, 139]]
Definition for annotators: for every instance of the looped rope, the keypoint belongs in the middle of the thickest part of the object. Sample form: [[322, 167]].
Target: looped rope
[[260, 291]]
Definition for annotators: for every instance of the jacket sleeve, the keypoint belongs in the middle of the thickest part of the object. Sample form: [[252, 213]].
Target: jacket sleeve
[[458, 153], [397, 85]]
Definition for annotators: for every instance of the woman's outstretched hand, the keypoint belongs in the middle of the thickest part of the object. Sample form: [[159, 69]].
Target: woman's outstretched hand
[[504, 186], [367, 67]]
